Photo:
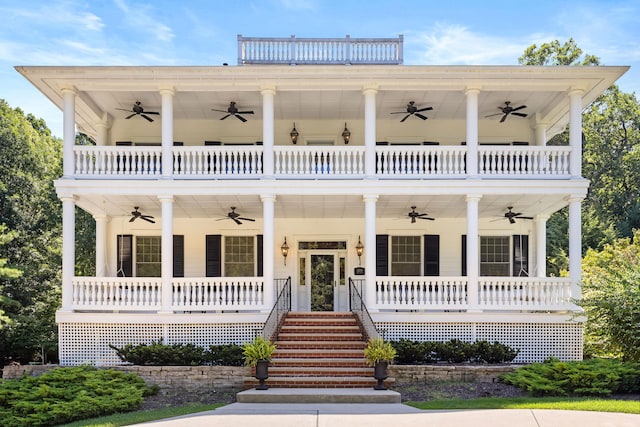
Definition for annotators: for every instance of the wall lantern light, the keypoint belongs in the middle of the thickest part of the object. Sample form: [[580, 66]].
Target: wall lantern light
[[294, 134], [285, 250], [346, 134], [359, 249]]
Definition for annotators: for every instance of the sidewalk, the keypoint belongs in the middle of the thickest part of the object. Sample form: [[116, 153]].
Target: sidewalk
[[390, 414]]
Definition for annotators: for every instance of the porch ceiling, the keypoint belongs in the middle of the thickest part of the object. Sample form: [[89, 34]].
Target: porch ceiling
[[323, 206]]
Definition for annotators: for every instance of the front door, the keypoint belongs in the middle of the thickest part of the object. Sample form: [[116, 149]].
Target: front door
[[323, 282]]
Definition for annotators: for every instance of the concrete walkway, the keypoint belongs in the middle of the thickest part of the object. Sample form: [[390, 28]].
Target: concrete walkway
[[389, 414]]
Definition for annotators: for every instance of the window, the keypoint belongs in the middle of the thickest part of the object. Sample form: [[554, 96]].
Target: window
[[238, 256], [494, 256], [148, 256], [405, 255]]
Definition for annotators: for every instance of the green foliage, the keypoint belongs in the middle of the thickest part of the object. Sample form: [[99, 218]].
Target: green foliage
[[158, 354], [453, 351], [554, 53], [226, 355], [611, 299], [258, 349], [596, 377], [67, 394], [379, 350]]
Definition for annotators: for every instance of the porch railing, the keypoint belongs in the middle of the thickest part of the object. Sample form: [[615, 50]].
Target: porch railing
[[319, 51], [494, 293], [218, 293], [357, 307], [309, 162], [281, 307], [117, 293]]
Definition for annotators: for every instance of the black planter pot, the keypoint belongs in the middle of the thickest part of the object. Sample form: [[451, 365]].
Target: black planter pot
[[262, 373], [380, 374]]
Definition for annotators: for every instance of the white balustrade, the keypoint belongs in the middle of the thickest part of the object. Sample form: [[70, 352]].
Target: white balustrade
[[125, 161], [421, 293], [218, 293], [412, 161], [321, 162], [217, 162], [521, 161], [524, 293], [116, 293]]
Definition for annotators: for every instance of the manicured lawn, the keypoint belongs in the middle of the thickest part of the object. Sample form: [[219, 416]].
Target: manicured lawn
[[561, 403], [142, 416]]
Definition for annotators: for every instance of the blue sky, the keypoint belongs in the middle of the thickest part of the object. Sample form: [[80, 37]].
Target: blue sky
[[203, 32]]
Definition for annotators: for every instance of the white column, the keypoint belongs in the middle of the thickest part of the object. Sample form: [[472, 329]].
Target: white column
[[370, 132], [541, 134], [68, 131], [101, 244], [167, 253], [369, 290], [268, 241], [541, 245], [268, 131], [575, 133], [472, 132], [68, 250], [575, 245], [167, 132], [102, 132], [473, 256]]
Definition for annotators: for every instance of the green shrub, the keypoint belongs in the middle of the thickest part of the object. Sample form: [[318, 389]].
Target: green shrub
[[485, 352], [454, 351], [226, 355], [63, 395], [595, 377], [158, 354]]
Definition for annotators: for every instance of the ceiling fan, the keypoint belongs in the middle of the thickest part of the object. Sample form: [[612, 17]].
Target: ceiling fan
[[137, 110], [508, 109], [511, 216], [233, 111], [413, 110], [235, 216], [413, 215], [137, 214]]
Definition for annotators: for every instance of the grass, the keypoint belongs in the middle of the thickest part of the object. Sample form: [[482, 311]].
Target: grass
[[560, 403], [129, 418]]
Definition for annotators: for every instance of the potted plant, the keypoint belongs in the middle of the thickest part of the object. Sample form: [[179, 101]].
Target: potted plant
[[257, 354], [379, 354]]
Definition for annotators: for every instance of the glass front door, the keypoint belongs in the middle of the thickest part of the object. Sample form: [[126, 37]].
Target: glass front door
[[323, 282]]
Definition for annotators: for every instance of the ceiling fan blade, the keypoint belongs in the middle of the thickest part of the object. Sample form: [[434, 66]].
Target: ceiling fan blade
[[152, 112], [504, 117], [130, 115], [421, 116], [133, 219], [147, 118], [242, 119], [222, 118], [222, 111], [518, 108], [405, 118], [428, 218], [236, 221], [413, 219], [491, 115], [244, 112], [246, 219], [398, 112], [519, 114], [512, 221], [424, 109], [124, 109], [148, 219], [525, 217]]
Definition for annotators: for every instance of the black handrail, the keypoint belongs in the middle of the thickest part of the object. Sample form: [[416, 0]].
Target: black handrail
[[281, 307], [357, 307]]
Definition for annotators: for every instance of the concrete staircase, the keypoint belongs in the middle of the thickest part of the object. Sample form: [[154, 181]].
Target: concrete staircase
[[319, 350]]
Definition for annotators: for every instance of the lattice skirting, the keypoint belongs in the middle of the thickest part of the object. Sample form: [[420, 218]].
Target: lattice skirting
[[88, 343], [536, 341]]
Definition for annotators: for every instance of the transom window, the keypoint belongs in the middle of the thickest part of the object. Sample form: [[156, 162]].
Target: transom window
[[148, 256], [405, 255], [494, 255], [239, 256]]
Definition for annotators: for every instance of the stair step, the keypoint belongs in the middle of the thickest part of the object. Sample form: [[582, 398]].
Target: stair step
[[317, 353], [320, 329], [288, 336], [325, 395], [316, 371], [318, 314], [354, 362], [337, 345], [319, 382]]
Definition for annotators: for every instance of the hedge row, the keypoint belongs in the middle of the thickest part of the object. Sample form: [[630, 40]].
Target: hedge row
[[453, 351], [158, 354]]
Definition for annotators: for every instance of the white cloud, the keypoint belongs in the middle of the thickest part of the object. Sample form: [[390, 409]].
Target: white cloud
[[308, 5]]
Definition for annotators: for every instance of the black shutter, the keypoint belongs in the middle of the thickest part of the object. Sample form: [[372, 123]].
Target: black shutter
[[464, 255], [125, 255], [431, 255], [213, 255], [260, 254], [520, 255], [123, 144], [178, 256], [382, 255]]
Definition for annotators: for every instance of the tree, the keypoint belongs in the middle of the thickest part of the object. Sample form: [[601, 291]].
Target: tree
[[554, 53], [6, 273], [611, 299]]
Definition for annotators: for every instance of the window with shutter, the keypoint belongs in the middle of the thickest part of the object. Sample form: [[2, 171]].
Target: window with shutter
[[213, 255]]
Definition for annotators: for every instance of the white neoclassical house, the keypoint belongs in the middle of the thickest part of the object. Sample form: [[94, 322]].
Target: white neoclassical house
[[319, 164]]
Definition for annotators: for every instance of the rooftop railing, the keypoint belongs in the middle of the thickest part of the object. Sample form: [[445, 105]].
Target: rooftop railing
[[320, 51]]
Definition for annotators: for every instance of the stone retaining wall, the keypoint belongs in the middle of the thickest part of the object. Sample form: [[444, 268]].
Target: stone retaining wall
[[206, 378]]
